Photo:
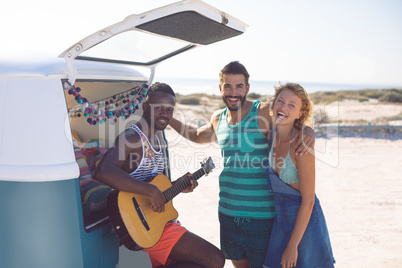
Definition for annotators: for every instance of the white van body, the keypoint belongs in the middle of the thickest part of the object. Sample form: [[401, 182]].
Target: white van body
[[41, 202]]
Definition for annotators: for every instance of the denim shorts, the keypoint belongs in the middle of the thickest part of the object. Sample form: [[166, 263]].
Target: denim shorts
[[245, 238]]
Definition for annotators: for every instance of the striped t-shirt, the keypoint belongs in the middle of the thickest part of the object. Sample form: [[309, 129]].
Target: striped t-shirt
[[243, 183], [152, 161]]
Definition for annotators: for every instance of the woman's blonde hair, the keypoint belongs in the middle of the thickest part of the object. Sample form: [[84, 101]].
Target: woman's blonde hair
[[307, 107]]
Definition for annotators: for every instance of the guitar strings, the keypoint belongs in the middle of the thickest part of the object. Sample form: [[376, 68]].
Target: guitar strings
[[179, 187], [172, 192]]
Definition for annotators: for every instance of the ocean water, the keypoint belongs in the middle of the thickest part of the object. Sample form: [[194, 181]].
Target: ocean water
[[186, 86]]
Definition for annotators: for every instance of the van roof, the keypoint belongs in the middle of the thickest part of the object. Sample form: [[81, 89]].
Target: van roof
[[58, 68]]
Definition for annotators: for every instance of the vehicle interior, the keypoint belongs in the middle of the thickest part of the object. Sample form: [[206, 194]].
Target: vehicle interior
[[91, 141]]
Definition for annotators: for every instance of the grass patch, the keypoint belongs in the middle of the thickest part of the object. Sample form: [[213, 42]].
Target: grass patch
[[190, 101], [385, 120], [383, 95], [254, 96], [393, 96]]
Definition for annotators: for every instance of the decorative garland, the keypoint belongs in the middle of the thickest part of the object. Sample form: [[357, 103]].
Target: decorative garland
[[121, 105]]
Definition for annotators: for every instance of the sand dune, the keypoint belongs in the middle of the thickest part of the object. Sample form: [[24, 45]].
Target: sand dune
[[353, 110]]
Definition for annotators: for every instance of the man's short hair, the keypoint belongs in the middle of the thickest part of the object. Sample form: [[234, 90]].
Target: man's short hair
[[234, 67], [160, 87]]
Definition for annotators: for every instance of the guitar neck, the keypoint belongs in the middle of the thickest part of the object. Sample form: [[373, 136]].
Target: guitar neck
[[178, 187]]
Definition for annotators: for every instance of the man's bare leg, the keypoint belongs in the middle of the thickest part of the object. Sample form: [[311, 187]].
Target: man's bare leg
[[241, 264], [193, 251]]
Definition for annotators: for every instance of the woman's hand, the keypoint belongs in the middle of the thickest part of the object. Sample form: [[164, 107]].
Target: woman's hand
[[289, 257]]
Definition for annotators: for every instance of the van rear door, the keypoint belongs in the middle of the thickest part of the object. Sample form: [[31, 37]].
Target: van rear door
[[149, 38]]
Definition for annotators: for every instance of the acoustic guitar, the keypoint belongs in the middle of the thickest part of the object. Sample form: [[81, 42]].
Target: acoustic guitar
[[132, 218]]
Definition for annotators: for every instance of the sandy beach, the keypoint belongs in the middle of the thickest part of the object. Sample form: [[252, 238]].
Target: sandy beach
[[358, 182]]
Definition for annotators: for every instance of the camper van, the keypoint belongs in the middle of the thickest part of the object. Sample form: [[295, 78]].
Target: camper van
[[57, 120]]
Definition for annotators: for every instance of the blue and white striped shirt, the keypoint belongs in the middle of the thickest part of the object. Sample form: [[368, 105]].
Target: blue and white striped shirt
[[152, 161]]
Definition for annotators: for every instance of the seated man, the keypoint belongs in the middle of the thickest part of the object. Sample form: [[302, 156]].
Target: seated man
[[134, 160]]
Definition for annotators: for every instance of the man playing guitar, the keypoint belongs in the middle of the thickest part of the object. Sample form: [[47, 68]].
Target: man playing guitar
[[134, 160]]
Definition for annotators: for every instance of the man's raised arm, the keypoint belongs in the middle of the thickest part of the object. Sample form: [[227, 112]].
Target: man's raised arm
[[204, 134]]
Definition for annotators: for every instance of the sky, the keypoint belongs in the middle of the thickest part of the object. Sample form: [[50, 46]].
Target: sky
[[320, 41]]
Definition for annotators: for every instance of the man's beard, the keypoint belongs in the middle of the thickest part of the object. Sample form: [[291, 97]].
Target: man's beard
[[242, 100]]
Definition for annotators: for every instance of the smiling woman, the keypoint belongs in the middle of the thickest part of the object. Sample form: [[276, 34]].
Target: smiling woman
[[299, 235], [291, 100]]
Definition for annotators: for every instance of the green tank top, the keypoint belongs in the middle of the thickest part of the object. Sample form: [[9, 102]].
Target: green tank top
[[243, 182]]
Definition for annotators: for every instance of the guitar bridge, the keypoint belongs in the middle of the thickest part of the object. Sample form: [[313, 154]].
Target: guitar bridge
[[140, 214]]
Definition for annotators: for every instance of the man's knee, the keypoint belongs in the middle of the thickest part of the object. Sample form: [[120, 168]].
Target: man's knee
[[241, 264], [216, 260]]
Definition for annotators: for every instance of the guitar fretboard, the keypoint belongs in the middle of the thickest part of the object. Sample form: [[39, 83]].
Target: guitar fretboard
[[180, 186]]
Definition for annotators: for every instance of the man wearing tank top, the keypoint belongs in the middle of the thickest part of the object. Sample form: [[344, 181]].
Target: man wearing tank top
[[134, 160], [246, 208]]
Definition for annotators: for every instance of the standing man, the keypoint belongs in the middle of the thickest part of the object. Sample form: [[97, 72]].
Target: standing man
[[133, 161], [246, 208]]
